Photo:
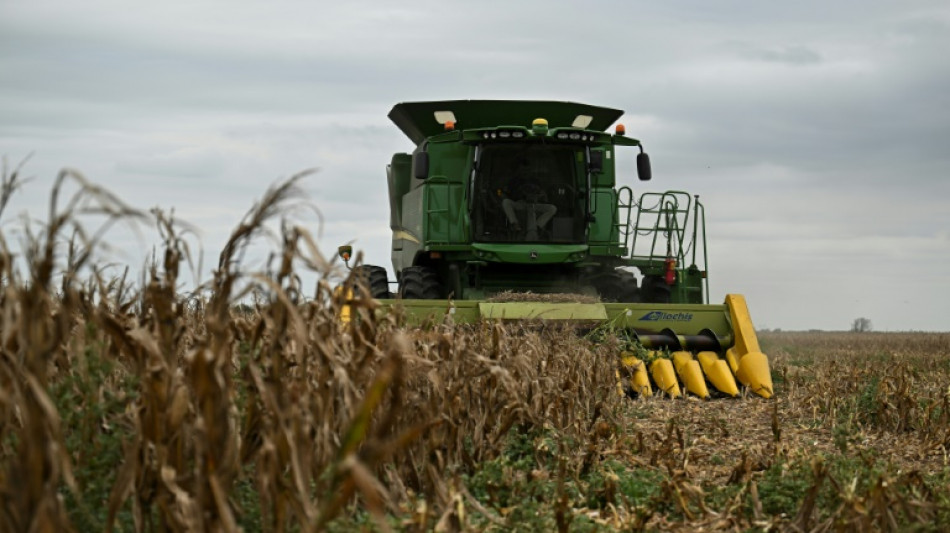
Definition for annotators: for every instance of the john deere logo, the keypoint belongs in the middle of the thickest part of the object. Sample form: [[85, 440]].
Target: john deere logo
[[533, 254], [656, 316]]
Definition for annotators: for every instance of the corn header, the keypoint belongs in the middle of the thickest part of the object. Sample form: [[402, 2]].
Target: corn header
[[504, 197]]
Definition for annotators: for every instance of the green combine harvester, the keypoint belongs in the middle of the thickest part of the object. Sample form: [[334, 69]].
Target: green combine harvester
[[503, 198]]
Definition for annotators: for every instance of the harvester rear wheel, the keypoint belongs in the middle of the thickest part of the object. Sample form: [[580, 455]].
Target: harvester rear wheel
[[374, 278], [617, 286], [420, 283], [655, 290]]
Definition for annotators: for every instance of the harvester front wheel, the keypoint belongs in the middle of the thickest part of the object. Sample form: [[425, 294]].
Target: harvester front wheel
[[617, 286], [655, 290], [420, 283], [374, 278]]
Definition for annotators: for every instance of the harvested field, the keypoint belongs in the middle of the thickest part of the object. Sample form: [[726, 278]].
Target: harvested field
[[138, 408]]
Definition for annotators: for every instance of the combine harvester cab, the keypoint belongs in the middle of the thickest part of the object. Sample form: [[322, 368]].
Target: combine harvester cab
[[521, 197]]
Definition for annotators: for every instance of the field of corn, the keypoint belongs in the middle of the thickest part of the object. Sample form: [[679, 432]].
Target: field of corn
[[133, 407]]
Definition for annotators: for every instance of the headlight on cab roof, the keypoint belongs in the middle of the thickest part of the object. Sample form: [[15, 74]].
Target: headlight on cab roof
[[503, 134]]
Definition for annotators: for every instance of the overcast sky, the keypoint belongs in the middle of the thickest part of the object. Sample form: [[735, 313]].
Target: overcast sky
[[816, 133]]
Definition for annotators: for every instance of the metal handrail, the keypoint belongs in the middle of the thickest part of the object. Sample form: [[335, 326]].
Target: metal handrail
[[700, 213], [623, 230], [674, 220]]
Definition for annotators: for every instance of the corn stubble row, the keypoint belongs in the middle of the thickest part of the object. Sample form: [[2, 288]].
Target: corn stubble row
[[321, 423]]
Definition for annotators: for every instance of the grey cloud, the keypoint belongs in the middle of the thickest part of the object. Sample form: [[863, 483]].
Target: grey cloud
[[184, 162], [790, 53], [795, 55]]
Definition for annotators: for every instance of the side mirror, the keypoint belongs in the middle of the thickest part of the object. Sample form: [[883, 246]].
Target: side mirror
[[596, 161], [643, 167], [420, 165]]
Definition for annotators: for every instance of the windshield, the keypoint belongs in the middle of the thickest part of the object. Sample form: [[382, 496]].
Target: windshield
[[529, 193]]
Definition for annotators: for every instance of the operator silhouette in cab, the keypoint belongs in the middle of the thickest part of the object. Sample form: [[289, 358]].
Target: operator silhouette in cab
[[525, 195]]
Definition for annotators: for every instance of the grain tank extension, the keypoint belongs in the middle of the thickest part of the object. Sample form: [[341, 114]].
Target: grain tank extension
[[501, 197]]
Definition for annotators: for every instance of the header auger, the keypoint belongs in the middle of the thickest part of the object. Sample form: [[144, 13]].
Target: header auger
[[504, 197]]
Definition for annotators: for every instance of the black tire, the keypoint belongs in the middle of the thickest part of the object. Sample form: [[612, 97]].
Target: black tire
[[420, 283], [373, 278], [617, 286], [655, 290]]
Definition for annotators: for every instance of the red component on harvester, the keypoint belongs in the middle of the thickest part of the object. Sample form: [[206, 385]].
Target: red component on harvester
[[670, 270]]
